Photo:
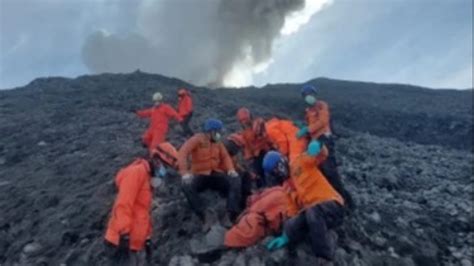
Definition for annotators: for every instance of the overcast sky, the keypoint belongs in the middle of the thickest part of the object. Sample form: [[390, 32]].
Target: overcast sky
[[421, 42]]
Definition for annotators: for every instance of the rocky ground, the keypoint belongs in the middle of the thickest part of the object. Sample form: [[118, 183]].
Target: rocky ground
[[405, 153]]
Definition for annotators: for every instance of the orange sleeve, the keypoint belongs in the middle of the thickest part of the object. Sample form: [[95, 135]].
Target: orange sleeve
[[123, 209], [186, 106], [225, 157], [172, 113], [144, 113], [184, 152], [323, 120]]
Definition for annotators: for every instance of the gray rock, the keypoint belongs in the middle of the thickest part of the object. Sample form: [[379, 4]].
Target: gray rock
[[466, 262], [32, 249], [375, 217]]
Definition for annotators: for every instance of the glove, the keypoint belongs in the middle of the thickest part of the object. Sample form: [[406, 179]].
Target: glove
[[187, 179], [124, 243], [314, 148], [299, 124], [277, 242], [233, 173], [302, 132], [149, 250]]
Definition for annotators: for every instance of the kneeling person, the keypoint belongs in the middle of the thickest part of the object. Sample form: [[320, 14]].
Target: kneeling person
[[208, 156]]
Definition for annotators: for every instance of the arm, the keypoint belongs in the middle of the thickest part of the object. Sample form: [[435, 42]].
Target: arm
[[144, 113], [123, 211], [173, 114], [184, 152], [225, 157], [322, 155], [323, 118]]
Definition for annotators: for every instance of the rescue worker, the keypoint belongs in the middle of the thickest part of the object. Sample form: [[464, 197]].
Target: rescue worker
[[185, 110], [256, 143], [128, 234], [159, 115], [316, 207], [282, 134], [211, 168], [318, 128]]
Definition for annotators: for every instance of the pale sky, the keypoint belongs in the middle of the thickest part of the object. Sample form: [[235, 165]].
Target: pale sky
[[420, 42]]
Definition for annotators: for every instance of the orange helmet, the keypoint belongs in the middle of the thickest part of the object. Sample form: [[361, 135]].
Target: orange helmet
[[182, 92], [167, 153], [243, 115], [237, 139], [258, 127]]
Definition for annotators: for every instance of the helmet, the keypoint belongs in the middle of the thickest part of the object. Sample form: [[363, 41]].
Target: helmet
[[271, 160], [166, 152], [243, 115], [258, 127], [182, 92], [213, 124], [308, 89], [157, 97], [237, 139]]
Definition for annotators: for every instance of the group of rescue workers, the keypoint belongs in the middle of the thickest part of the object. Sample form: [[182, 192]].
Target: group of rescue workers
[[279, 177]]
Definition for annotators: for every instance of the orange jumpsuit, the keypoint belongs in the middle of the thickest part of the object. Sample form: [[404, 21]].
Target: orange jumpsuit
[[159, 119], [282, 134], [131, 211], [317, 118]]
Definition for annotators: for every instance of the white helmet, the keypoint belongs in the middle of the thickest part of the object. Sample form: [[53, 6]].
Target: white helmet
[[157, 97]]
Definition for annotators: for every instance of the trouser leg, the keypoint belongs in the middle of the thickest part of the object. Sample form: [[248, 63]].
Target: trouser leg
[[230, 187], [329, 169], [320, 218], [185, 125], [191, 191]]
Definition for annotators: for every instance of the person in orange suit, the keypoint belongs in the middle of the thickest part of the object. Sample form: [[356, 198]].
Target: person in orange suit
[[159, 116], [185, 110], [316, 207], [282, 135], [204, 163], [256, 143], [128, 234], [318, 128]]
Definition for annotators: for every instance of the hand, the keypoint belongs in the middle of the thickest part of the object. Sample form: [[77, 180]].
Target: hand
[[233, 173], [277, 242], [187, 179], [302, 132]]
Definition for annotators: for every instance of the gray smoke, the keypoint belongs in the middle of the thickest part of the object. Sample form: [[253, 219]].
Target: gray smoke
[[198, 41]]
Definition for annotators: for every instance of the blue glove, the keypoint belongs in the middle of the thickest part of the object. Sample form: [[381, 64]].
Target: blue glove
[[302, 132], [314, 148], [278, 242], [299, 124]]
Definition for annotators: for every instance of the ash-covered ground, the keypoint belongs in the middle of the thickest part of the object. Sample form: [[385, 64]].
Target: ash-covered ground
[[405, 153]]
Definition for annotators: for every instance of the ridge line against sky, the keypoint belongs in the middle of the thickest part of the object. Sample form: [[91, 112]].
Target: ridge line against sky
[[420, 42]]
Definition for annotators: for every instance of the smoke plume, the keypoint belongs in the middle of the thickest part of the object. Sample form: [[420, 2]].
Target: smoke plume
[[214, 42]]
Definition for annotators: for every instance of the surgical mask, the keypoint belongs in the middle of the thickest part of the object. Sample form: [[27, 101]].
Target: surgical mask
[[310, 99], [216, 136]]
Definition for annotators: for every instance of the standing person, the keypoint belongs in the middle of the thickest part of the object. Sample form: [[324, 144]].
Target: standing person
[[159, 115], [256, 142], [185, 110], [128, 234], [318, 128], [210, 167], [315, 208]]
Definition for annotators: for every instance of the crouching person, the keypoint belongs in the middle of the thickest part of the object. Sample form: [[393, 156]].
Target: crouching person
[[316, 207], [208, 156], [128, 234]]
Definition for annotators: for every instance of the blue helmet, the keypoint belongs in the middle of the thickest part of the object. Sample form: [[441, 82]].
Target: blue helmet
[[308, 89], [271, 160], [213, 124]]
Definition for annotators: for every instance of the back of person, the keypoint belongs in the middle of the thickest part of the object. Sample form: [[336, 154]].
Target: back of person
[[282, 134], [309, 184], [185, 103]]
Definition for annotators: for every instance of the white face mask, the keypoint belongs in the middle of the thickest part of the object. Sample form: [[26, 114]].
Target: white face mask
[[310, 99], [216, 136]]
